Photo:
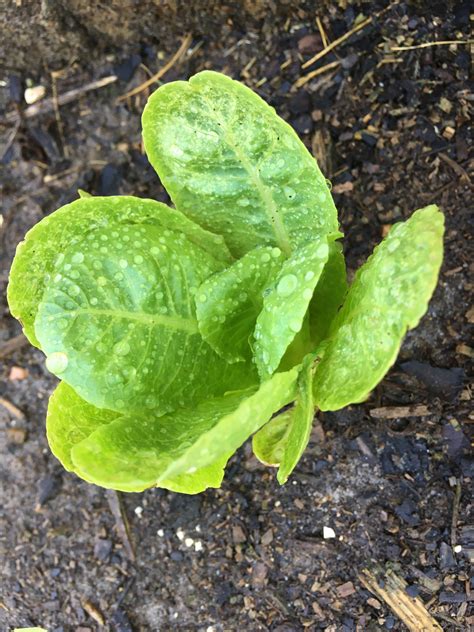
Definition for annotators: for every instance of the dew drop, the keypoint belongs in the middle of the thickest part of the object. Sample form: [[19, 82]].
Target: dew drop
[[176, 151], [202, 298], [309, 275], [94, 301], [265, 257], [243, 202], [289, 192], [322, 251], [58, 278], [73, 290], [138, 259], [307, 294], [295, 326], [276, 252], [123, 263], [77, 258], [393, 245], [122, 348], [287, 285], [57, 362]]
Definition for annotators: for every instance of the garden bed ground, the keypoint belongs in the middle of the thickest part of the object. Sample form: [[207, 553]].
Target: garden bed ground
[[389, 128]]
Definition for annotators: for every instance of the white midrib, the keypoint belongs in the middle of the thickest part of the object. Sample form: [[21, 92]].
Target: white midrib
[[170, 322]]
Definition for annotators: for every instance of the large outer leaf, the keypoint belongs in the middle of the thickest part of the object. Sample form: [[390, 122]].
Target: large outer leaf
[[117, 321], [228, 303], [328, 295], [286, 303], [133, 453], [229, 162], [389, 295], [36, 255], [70, 420]]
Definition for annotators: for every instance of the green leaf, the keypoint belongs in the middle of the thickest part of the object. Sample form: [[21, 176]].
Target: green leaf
[[71, 420], [132, 453], [230, 163], [301, 422], [36, 255], [284, 438], [268, 444], [117, 321], [229, 302], [286, 303], [328, 295], [389, 295]]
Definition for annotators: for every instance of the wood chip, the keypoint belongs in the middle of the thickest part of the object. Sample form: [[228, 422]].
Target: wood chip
[[93, 611], [238, 535], [17, 373], [267, 537], [16, 435], [399, 412], [12, 409], [345, 590], [392, 590]]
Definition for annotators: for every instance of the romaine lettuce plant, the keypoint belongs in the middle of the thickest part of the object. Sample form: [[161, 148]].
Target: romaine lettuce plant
[[178, 333]]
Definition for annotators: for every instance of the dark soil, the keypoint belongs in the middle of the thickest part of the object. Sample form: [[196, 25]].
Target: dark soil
[[390, 129]]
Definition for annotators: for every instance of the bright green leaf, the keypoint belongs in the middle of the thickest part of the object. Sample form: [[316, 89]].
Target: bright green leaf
[[230, 163], [268, 444], [117, 321], [286, 303], [70, 420], [328, 295], [301, 423], [228, 303], [389, 295], [36, 255], [131, 453], [284, 438]]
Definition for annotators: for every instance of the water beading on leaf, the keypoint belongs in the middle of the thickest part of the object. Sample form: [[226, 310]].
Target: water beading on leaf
[[286, 303], [71, 420], [186, 448], [230, 163], [36, 255], [229, 302], [117, 321], [388, 296]]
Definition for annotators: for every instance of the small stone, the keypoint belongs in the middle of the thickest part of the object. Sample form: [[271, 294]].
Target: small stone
[[328, 533], [17, 373], [310, 43], [34, 94], [238, 535], [102, 549], [267, 537]]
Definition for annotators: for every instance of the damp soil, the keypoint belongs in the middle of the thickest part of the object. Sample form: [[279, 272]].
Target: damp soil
[[379, 486]]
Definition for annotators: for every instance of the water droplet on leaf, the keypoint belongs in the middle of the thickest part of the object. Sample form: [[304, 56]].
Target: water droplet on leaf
[[57, 362]]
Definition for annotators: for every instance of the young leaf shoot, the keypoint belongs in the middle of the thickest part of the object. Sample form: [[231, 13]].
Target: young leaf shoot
[[179, 332]]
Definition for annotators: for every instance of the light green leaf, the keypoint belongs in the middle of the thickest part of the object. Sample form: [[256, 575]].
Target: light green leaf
[[71, 420], [284, 438], [286, 303], [328, 295], [228, 303], [131, 453], [230, 163], [36, 255], [301, 423], [389, 295], [117, 321], [268, 444]]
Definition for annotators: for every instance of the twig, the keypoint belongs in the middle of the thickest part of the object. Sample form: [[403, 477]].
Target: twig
[[462, 173], [429, 44], [392, 589], [400, 412], [157, 76], [455, 514], [314, 73], [12, 409], [12, 345], [337, 41], [48, 105], [121, 521], [322, 32], [54, 75]]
